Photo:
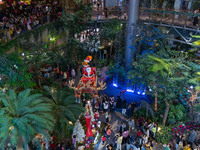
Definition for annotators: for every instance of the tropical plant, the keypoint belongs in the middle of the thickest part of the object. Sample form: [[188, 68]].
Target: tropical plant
[[22, 116], [110, 32], [166, 73], [14, 72], [177, 113], [64, 109], [164, 135], [147, 106]]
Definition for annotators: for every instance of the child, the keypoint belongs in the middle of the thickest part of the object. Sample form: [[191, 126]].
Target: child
[[74, 141], [96, 115], [103, 138]]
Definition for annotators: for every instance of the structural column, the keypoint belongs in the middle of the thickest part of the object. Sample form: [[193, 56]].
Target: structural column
[[131, 31], [177, 6]]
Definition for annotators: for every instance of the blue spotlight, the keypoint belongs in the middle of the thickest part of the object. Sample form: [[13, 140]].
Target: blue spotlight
[[138, 92], [114, 84], [129, 90], [143, 93]]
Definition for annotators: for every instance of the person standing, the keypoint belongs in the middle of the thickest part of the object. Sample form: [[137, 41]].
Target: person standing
[[106, 12], [107, 118], [58, 72], [105, 106], [133, 105], [98, 4], [196, 19], [192, 136], [129, 111], [128, 143], [131, 124], [108, 132], [124, 107], [73, 73], [103, 138], [112, 101], [119, 142], [96, 115], [119, 102], [74, 141], [154, 130]]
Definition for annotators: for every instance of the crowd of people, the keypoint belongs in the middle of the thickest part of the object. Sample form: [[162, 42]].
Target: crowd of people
[[16, 18], [135, 134], [48, 72]]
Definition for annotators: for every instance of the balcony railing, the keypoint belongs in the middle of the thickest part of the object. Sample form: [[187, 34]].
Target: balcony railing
[[178, 18]]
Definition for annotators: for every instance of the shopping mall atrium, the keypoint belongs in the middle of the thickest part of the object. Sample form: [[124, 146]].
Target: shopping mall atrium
[[99, 75]]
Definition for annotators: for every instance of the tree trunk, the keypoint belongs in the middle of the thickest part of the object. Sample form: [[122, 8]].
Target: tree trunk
[[156, 100], [166, 112], [146, 112], [191, 112], [111, 47]]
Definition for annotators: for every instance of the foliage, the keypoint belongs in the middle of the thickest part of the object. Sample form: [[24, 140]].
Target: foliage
[[164, 135], [197, 106], [148, 39], [166, 72], [177, 113], [74, 24], [14, 72], [23, 116], [117, 69], [111, 33], [64, 109], [110, 30]]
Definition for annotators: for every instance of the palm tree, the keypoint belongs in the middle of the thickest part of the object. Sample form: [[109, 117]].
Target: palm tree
[[23, 116], [64, 109]]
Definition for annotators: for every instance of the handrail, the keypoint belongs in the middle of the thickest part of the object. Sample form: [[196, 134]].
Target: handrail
[[145, 14]]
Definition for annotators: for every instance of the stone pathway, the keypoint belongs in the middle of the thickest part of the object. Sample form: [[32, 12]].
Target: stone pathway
[[115, 118]]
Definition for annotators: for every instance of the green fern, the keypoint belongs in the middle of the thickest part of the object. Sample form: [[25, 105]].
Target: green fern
[[63, 107], [23, 116]]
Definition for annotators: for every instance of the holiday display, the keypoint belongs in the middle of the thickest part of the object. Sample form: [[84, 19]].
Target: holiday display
[[90, 111], [88, 82], [79, 132], [88, 125]]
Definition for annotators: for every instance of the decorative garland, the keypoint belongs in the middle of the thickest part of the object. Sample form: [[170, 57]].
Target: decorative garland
[[189, 14]]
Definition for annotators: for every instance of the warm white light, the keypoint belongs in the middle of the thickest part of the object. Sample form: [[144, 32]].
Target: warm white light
[[70, 123], [159, 129], [11, 128]]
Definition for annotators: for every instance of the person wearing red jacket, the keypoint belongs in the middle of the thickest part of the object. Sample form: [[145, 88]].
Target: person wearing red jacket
[[103, 138], [96, 115], [139, 133], [52, 142]]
